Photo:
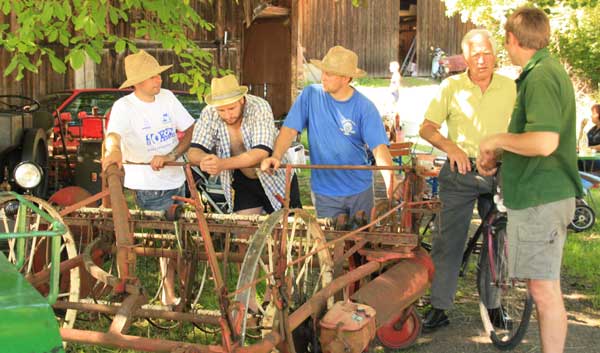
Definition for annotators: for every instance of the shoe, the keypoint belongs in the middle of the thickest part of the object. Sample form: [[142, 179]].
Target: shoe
[[500, 319], [435, 319]]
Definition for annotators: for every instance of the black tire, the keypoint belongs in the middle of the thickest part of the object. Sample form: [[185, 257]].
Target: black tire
[[35, 149], [584, 217], [497, 290]]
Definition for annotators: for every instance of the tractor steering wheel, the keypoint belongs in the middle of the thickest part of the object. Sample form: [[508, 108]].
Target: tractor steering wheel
[[18, 104]]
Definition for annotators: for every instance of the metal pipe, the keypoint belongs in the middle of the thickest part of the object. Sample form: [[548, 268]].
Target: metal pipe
[[143, 313], [125, 258], [133, 342]]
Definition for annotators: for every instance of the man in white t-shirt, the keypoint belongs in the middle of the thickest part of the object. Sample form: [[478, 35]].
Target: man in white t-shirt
[[143, 129]]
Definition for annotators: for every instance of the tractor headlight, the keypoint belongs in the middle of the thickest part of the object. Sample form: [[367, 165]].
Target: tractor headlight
[[28, 175]]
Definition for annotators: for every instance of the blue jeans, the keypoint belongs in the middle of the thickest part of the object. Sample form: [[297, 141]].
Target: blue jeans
[[158, 200], [331, 206]]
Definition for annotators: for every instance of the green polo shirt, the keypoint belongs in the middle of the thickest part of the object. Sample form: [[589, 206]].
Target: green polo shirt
[[470, 114], [545, 102]]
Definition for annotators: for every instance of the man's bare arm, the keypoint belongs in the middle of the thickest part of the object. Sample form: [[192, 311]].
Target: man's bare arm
[[384, 158], [284, 140], [158, 162], [112, 151], [529, 144], [430, 131]]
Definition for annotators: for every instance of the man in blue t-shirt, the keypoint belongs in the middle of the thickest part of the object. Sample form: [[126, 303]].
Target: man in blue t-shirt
[[341, 123]]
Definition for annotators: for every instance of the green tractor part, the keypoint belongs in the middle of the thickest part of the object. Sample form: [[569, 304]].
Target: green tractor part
[[27, 322]]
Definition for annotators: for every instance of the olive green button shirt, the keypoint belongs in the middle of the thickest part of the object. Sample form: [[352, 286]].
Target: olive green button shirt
[[470, 114], [545, 102]]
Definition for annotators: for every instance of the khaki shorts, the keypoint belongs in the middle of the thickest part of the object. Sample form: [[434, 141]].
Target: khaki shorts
[[536, 236]]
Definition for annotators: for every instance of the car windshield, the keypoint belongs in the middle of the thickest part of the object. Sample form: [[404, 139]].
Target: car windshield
[[52, 101]]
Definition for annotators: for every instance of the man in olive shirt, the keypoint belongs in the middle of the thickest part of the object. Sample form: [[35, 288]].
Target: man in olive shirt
[[473, 105], [539, 170]]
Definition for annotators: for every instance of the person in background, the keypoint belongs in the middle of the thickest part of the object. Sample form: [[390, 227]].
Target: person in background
[[539, 170], [342, 123], [473, 104], [143, 128], [394, 88], [590, 140]]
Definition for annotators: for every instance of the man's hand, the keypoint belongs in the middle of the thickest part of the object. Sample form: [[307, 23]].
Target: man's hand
[[211, 164], [269, 165], [460, 158], [158, 162], [486, 164], [486, 161], [115, 157]]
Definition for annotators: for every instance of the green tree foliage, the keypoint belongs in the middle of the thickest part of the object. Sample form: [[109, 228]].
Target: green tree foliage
[[575, 24], [82, 27]]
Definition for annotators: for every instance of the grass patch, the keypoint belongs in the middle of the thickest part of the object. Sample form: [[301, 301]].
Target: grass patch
[[581, 260]]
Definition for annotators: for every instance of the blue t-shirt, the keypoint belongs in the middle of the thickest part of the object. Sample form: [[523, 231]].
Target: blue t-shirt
[[338, 133]]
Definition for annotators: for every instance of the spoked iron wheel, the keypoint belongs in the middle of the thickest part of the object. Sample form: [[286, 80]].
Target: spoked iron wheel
[[302, 279], [402, 333], [35, 267], [508, 296]]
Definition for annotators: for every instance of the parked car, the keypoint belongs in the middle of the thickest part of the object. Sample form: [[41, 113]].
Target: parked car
[[83, 100]]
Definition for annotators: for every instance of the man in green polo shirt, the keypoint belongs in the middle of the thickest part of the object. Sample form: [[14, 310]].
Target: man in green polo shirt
[[539, 170], [475, 104]]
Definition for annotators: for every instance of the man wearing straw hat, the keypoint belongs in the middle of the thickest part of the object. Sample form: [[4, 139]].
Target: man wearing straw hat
[[342, 123], [142, 129], [239, 128]]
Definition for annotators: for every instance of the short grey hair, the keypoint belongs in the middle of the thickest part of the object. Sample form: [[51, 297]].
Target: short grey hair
[[478, 32]]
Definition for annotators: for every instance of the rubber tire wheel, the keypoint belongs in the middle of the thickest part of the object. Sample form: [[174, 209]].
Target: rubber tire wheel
[[391, 337], [35, 149], [486, 289], [584, 218]]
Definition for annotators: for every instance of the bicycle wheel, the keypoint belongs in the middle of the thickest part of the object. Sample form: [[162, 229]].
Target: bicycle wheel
[[583, 219], [508, 296]]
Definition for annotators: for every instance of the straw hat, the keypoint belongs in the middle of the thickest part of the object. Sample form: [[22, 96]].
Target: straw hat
[[225, 90], [141, 66], [340, 61]]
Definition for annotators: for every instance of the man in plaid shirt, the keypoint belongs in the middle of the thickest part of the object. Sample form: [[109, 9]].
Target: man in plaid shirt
[[233, 135]]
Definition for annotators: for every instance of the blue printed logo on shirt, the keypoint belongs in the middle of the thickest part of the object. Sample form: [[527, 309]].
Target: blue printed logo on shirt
[[347, 127], [160, 136], [165, 118]]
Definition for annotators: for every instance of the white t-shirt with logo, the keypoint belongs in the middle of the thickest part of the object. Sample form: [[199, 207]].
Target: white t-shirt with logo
[[147, 130]]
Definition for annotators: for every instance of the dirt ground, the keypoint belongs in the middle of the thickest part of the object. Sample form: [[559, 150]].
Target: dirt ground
[[465, 333]]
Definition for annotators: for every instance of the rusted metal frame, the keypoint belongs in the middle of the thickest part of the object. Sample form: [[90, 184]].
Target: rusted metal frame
[[283, 292], [124, 238], [408, 239], [123, 317], [41, 277], [85, 202], [143, 313], [133, 342], [345, 167], [103, 276], [226, 322], [328, 244]]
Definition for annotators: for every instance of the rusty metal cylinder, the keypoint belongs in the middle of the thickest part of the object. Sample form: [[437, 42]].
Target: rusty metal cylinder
[[397, 288]]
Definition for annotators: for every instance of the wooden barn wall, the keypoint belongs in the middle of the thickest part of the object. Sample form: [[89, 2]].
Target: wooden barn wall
[[434, 29], [371, 31], [110, 72]]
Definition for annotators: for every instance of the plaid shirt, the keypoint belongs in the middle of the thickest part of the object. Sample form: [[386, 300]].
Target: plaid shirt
[[258, 131]]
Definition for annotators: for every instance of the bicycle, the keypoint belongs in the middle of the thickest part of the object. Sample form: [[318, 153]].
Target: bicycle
[[510, 297]]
